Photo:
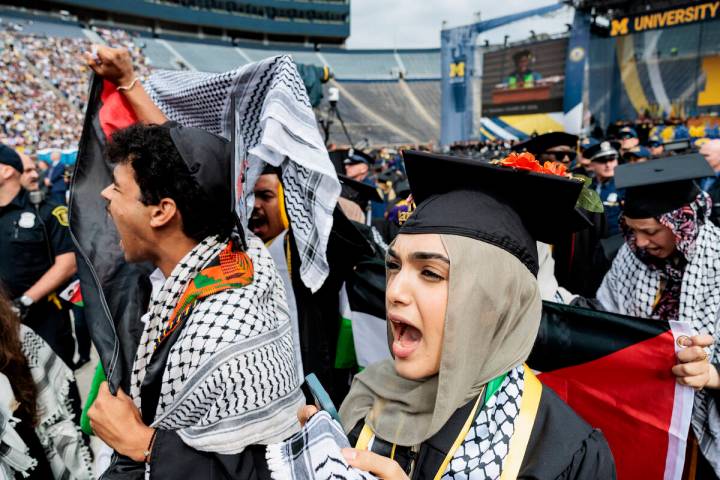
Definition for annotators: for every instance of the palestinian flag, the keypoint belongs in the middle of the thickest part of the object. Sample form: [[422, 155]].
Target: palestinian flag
[[73, 294], [615, 372], [362, 339], [115, 293]]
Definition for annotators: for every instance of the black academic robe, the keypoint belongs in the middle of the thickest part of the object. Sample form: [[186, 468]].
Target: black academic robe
[[561, 446], [581, 259], [349, 246]]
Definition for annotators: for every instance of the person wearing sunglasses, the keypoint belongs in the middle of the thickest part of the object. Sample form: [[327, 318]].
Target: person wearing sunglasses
[[656, 146], [551, 147], [574, 254], [628, 139]]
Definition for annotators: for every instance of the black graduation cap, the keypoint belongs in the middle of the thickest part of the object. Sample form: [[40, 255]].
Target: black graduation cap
[[8, 156], [491, 203], [208, 159], [390, 175], [660, 186], [542, 143], [402, 188], [359, 192], [272, 169]]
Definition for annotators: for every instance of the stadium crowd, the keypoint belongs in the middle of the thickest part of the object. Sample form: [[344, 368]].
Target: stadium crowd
[[234, 317], [44, 86]]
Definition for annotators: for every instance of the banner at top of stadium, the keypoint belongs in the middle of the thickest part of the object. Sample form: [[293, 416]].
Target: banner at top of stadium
[[670, 17]]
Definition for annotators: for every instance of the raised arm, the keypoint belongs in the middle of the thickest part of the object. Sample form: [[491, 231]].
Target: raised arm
[[115, 65]]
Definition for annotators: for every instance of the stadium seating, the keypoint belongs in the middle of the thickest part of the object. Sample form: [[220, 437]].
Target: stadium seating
[[157, 54], [41, 25], [428, 93], [383, 110], [208, 58], [378, 65], [421, 64]]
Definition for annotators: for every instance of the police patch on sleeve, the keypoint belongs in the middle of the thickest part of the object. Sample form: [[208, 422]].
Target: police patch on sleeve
[[61, 213]]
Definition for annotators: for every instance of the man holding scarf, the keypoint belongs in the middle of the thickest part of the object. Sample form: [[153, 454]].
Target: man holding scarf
[[215, 376], [213, 373]]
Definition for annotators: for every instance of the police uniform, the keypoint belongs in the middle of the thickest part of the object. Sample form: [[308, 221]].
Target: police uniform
[[610, 195], [30, 239]]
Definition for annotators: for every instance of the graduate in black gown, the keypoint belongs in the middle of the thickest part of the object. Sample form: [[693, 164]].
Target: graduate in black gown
[[463, 310]]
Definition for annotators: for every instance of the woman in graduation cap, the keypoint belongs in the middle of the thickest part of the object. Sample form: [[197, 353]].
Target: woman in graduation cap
[[463, 310], [669, 269]]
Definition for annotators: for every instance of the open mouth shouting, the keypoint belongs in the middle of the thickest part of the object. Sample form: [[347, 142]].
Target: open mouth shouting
[[406, 337]]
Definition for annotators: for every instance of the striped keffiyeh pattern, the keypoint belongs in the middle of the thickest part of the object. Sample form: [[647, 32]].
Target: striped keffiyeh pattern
[[231, 379], [264, 108]]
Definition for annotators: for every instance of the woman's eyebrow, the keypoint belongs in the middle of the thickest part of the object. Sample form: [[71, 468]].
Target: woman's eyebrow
[[392, 253], [430, 256]]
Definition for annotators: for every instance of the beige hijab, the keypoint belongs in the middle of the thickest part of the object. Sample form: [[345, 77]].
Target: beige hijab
[[492, 319]]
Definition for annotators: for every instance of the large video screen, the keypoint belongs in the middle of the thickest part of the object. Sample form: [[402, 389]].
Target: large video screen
[[524, 79]]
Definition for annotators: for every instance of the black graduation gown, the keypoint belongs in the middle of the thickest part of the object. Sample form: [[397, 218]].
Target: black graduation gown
[[349, 247], [561, 446], [580, 260]]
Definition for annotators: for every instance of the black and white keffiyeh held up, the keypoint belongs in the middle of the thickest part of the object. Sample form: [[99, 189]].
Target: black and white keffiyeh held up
[[231, 379], [274, 124]]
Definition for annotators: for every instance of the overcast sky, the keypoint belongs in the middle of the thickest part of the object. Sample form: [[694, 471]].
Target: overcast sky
[[417, 23]]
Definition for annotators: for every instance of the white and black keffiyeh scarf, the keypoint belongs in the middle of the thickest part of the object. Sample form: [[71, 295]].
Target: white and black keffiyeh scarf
[[60, 437], [631, 288], [314, 452], [231, 379], [274, 124], [14, 454], [487, 444]]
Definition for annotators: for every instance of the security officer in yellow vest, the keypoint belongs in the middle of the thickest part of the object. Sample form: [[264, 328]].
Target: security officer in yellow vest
[[37, 257]]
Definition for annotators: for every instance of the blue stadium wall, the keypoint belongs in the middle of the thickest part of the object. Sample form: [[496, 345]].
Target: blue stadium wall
[[328, 20], [667, 72]]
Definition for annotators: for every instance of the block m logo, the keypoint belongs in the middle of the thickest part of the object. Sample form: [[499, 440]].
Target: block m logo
[[619, 27], [457, 69]]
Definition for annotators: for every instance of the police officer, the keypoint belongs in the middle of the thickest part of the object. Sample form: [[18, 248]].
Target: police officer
[[37, 257], [603, 160]]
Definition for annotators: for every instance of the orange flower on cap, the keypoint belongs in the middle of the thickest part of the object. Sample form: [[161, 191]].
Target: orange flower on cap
[[555, 168], [589, 198], [522, 161], [527, 161]]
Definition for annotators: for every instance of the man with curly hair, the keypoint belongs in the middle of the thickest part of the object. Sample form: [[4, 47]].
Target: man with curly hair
[[214, 376]]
